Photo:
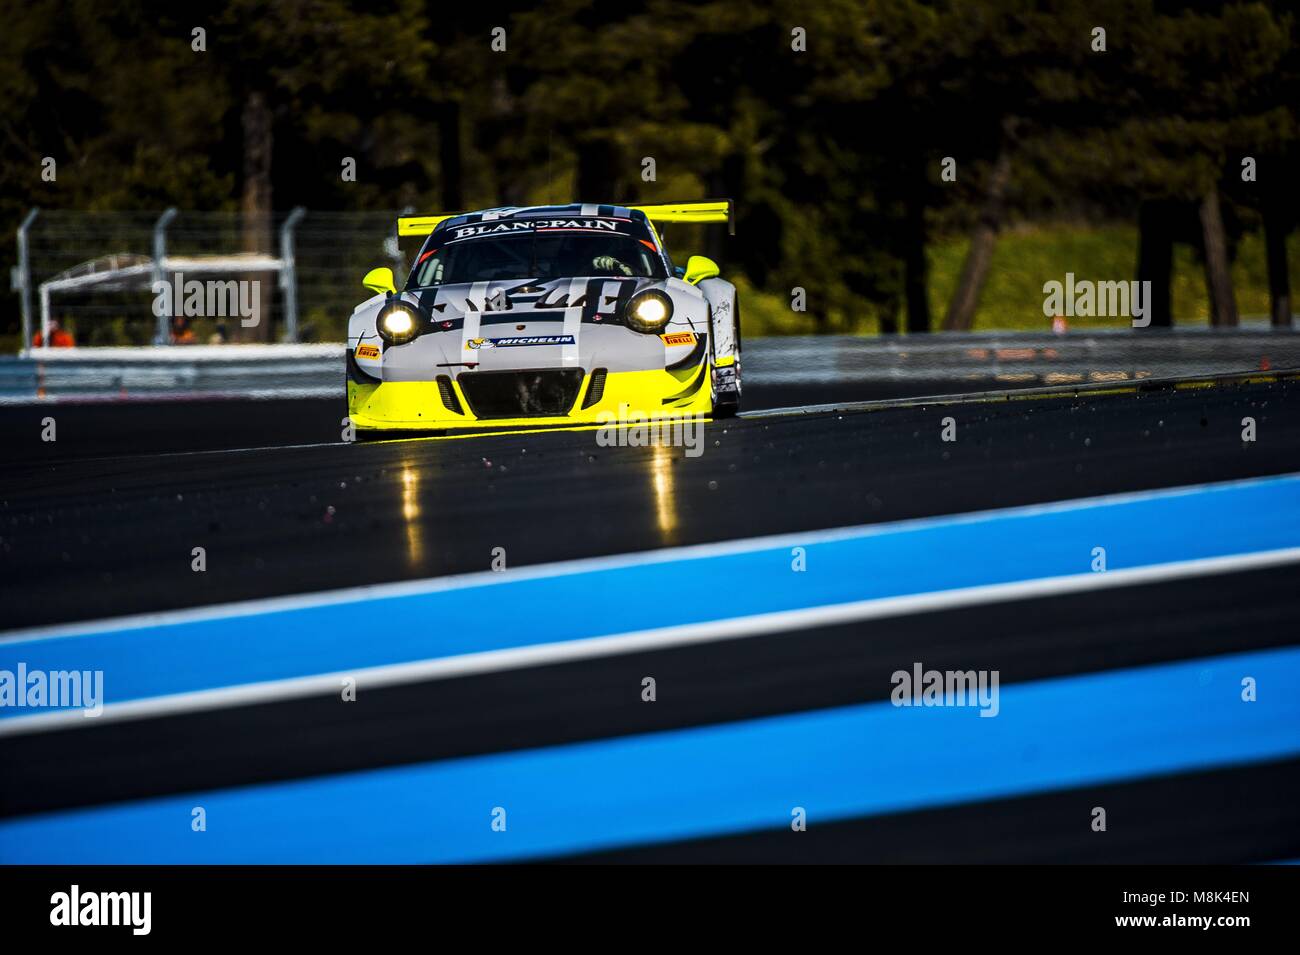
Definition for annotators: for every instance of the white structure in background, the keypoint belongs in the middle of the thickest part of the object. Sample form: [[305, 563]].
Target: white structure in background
[[128, 272]]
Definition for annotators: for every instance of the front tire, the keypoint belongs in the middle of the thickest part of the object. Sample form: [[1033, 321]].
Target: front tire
[[726, 403]]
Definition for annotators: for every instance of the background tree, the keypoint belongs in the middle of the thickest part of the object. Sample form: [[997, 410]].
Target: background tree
[[832, 151]]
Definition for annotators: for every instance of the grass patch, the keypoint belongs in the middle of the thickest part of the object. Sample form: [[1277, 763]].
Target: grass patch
[[1028, 256]]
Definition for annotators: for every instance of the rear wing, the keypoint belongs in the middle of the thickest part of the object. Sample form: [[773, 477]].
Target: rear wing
[[712, 210], [422, 225]]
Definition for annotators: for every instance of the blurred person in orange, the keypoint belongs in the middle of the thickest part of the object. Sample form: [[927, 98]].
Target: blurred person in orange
[[59, 337]]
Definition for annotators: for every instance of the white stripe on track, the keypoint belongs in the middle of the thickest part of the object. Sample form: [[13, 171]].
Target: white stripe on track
[[514, 658]]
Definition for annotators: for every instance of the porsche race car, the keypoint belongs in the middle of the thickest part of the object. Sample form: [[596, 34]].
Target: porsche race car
[[545, 315]]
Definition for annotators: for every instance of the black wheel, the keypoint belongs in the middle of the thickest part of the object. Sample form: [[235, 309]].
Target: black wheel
[[726, 405]]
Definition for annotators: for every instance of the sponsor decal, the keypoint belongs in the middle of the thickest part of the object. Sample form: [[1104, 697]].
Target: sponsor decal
[[519, 341], [367, 351], [679, 338], [530, 225]]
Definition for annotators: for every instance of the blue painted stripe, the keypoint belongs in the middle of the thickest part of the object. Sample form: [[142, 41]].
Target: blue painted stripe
[[144, 660], [840, 763]]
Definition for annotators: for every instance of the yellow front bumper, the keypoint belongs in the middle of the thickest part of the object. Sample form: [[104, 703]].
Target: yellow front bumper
[[635, 395]]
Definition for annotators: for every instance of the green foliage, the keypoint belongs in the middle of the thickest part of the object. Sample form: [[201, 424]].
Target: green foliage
[[832, 154]]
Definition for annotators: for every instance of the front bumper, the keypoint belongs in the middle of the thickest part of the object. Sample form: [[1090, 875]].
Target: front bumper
[[601, 398]]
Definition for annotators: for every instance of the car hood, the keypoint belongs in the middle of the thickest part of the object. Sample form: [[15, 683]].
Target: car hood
[[599, 298]]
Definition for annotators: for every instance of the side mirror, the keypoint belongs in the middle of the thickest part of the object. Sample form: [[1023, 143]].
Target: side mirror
[[699, 268], [379, 280]]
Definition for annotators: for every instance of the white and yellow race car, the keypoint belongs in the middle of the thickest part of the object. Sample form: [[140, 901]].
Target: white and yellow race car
[[545, 315]]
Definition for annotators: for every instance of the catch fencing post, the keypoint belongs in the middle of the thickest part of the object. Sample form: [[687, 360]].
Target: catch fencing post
[[289, 274], [21, 281], [162, 335]]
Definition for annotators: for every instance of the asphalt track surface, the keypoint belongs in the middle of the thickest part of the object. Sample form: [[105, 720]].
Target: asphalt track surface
[[100, 536], [105, 526], [116, 428]]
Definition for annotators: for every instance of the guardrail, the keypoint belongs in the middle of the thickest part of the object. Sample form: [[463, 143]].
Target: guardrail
[[1018, 357], [998, 359], [265, 371]]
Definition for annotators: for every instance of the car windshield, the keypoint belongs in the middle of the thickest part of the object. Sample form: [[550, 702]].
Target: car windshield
[[535, 256]]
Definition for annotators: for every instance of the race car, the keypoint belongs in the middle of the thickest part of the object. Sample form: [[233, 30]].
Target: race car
[[545, 315]]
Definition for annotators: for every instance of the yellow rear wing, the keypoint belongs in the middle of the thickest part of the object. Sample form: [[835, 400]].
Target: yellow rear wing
[[712, 210], [422, 225]]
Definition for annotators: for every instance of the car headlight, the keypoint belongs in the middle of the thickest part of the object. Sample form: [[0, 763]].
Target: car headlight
[[398, 323], [649, 311]]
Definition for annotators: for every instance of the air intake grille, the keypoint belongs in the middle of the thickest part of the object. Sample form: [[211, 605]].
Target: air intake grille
[[597, 389], [449, 399], [521, 394]]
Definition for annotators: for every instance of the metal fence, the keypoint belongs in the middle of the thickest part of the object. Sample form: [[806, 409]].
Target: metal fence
[[94, 273]]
